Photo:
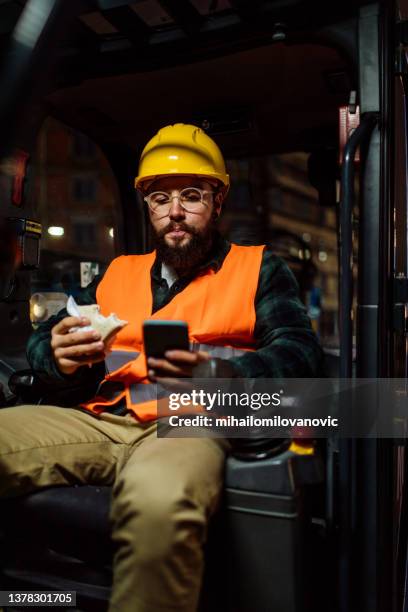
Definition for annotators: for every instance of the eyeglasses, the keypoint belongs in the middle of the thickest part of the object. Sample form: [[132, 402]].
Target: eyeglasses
[[191, 199]]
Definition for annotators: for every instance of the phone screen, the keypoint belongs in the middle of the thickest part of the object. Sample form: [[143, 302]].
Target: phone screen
[[162, 336]]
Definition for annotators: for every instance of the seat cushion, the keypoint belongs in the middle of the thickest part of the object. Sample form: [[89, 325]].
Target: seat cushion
[[71, 520]]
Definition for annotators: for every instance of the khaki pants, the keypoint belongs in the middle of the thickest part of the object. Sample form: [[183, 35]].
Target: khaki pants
[[164, 491]]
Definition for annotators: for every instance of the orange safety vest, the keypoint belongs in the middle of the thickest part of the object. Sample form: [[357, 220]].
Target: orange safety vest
[[219, 308]]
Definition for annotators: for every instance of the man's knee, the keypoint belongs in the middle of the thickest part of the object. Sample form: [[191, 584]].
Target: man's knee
[[157, 520]]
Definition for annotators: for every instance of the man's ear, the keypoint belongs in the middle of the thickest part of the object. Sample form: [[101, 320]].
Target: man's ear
[[219, 198]]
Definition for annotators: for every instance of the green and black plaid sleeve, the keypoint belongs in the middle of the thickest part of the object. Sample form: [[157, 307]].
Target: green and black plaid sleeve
[[286, 345]]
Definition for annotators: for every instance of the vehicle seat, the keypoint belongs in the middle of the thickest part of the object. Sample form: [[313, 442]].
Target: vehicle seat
[[59, 538]]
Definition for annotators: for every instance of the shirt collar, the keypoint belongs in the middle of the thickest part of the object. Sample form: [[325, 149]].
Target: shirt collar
[[168, 274]]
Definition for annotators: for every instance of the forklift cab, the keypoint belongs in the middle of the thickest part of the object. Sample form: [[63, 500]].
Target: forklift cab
[[303, 100]]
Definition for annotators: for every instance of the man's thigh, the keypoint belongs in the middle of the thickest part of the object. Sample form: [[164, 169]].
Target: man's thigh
[[166, 471], [42, 446]]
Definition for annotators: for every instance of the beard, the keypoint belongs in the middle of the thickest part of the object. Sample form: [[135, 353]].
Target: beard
[[185, 257]]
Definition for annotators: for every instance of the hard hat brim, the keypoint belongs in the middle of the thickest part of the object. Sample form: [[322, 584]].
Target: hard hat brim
[[222, 179]]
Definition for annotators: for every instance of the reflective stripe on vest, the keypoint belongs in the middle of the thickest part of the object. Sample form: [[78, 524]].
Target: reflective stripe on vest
[[219, 308], [116, 359], [140, 392], [143, 392], [222, 352]]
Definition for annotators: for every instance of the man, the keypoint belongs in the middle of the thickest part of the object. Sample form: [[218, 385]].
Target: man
[[244, 317]]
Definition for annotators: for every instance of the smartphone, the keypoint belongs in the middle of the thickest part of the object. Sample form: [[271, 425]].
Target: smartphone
[[162, 336]]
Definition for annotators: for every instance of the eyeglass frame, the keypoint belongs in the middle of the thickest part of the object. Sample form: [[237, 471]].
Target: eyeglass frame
[[203, 192]]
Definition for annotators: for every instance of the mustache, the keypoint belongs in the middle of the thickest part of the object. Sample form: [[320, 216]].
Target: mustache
[[176, 226]]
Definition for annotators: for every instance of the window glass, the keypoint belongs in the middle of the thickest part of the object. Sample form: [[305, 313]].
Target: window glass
[[272, 201], [84, 188], [77, 202]]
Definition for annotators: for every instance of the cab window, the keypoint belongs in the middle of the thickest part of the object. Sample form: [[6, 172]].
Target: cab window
[[272, 201], [77, 202]]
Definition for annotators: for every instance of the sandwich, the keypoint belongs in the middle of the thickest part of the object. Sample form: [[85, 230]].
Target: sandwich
[[106, 326]]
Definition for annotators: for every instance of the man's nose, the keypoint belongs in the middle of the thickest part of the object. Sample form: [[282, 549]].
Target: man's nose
[[176, 210]]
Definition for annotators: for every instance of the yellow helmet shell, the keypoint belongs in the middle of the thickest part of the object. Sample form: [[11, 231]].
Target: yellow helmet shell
[[181, 149]]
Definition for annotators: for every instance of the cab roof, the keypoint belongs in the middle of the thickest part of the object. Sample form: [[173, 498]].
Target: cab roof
[[262, 75]]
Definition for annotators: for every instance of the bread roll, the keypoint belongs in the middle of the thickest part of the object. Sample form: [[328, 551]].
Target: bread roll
[[106, 326]]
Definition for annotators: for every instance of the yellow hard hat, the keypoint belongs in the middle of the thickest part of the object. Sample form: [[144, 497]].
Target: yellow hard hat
[[181, 149]]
